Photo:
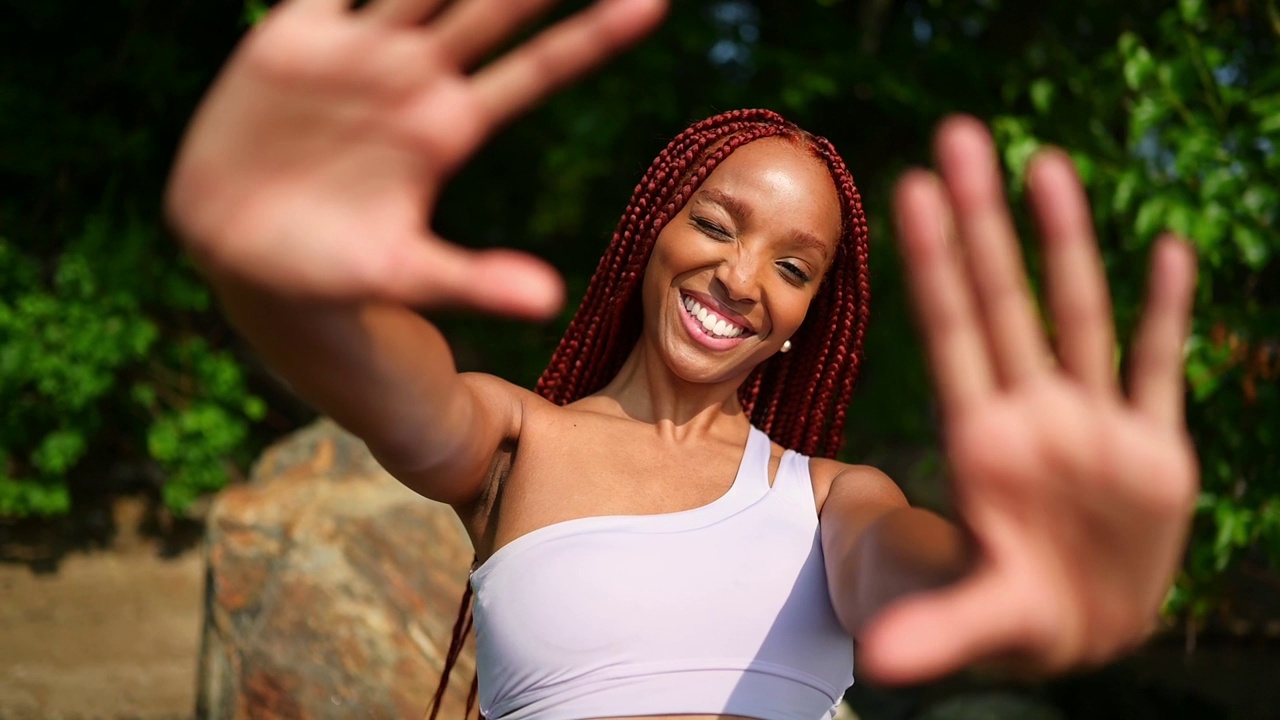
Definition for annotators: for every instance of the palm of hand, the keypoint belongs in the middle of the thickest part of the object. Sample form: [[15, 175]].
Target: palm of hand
[[1076, 497], [330, 133]]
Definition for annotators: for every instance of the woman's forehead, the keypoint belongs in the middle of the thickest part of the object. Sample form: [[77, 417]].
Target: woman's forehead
[[780, 177]]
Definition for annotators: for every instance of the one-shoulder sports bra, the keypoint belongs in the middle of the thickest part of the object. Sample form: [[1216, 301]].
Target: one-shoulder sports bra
[[722, 609]]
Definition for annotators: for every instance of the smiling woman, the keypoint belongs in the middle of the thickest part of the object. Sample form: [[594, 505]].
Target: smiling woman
[[737, 227], [660, 528]]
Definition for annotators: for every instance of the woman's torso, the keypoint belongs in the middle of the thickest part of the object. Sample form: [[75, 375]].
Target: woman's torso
[[583, 461]]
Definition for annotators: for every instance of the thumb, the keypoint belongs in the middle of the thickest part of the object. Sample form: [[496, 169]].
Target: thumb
[[434, 273], [927, 636]]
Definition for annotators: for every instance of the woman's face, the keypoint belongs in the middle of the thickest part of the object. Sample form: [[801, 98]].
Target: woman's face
[[731, 276]]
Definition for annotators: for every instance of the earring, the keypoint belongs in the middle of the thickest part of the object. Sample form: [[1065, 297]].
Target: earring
[[786, 346]]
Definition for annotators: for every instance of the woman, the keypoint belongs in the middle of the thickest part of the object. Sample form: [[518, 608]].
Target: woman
[[645, 551]]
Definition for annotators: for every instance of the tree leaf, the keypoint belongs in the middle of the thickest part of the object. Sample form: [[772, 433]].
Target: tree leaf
[[1252, 244], [1041, 92]]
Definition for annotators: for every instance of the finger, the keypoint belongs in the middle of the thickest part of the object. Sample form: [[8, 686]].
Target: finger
[[1077, 286], [433, 273], [325, 6], [928, 636], [944, 307], [401, 12], [563, 52], [969, 167], [1156, 372], [467, 31]]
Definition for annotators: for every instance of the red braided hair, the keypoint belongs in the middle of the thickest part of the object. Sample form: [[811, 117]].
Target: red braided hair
[[798, 399]]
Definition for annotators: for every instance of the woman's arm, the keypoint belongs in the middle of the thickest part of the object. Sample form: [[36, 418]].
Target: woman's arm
[[305, 190], [878, 549], [384, 373]]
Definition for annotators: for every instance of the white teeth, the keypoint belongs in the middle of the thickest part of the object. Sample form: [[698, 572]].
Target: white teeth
[[713, 323]]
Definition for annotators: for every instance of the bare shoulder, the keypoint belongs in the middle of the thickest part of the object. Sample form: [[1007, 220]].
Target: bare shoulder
[[852, 485], [536, 431], [855, 497], [492, 412], [503, 399], [518, 408]]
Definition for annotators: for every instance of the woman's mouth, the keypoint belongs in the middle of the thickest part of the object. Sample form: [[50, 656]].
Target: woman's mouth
[[710, 328], [713, 324]]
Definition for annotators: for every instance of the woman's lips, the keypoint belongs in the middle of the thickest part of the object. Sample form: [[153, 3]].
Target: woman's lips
[[708, 328]]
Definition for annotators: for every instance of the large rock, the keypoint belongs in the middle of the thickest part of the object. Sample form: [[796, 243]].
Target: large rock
[[331, 591]]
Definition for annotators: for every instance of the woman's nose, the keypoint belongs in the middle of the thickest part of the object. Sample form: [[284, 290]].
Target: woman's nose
[[738, 275]]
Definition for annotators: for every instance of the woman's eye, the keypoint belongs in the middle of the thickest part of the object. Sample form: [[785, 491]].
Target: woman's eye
[[710, 227], [795, 271]]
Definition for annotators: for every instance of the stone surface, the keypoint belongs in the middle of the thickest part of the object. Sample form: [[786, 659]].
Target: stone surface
[[331, 590]]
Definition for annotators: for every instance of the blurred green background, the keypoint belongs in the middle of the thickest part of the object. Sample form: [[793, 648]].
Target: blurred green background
[[118, 376]]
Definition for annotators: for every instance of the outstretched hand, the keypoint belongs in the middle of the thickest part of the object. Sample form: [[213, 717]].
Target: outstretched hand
[[313, 164], [1076, 493]]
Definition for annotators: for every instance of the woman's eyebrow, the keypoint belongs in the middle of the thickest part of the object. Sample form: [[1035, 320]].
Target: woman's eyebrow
[[741, 212], [735, 207], [802, 238]]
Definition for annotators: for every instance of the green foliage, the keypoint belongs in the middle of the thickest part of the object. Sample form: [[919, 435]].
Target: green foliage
[[1184, 138], [113, 367], [95, 354]]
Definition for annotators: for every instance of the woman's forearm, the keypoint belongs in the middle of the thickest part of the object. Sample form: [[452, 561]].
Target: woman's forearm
[[380, 370]]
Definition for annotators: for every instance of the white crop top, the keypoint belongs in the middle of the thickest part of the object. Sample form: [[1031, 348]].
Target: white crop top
[[719, 609]]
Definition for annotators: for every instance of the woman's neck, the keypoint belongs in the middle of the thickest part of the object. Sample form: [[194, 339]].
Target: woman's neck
[[646, 390]]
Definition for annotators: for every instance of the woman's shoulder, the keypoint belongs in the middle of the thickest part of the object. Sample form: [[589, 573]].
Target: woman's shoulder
[[493, 389], [832, 476], [525, 407]]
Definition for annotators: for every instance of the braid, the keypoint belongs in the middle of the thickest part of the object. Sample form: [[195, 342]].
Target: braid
[[799, 399], [461, 628]]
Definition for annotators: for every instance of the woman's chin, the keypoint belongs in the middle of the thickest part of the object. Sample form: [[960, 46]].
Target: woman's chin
[[695, 365]]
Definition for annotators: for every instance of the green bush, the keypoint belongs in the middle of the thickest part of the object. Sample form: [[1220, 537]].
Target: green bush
[[114, 369], [105, 350], [1177, 128]]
